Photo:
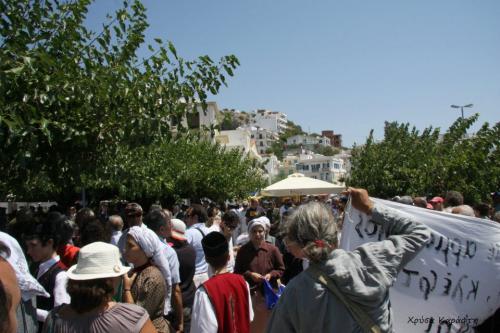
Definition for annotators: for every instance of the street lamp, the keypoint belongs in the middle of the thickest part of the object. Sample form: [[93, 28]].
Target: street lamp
[[461, 107]]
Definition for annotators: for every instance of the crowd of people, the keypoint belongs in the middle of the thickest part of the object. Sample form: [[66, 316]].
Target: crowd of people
[[207, 267]]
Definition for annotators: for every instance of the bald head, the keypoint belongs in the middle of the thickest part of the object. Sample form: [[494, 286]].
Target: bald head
[[116, 222], [463, 210]]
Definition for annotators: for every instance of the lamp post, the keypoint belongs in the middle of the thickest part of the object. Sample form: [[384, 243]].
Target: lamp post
[[461, 107]]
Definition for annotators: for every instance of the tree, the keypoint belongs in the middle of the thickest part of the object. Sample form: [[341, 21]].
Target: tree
[[74, 101], [188, 167], [291, 130], [327, 150], [407, 162]]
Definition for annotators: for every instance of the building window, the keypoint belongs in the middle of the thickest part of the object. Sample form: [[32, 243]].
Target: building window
[[315, 167], [260, 136], [261, 151], [262, 144], [252, 136], [336, 166]]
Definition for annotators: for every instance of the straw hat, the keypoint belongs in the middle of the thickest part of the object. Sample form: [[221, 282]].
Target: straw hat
[[178, 229], [97, 261]]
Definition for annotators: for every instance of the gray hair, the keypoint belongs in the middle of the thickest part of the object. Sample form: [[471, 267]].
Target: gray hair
[[115, 222], [312, 226]]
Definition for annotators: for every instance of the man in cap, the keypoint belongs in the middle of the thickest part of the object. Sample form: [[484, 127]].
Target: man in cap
[[222, 304], [255, 210], [437, 203]]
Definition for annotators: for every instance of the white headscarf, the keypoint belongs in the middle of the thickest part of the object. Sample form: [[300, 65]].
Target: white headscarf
[[155, 249], [27, 283], [260, 221]]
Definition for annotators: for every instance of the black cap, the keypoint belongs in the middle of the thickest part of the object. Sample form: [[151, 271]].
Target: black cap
[[214, 244]]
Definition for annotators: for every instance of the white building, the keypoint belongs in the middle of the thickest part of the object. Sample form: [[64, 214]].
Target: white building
[[272, 167], [264, 138], [271, 120], [308, 140], [288, 164], [327, 168], [345, 156], [199, 120], [240, 139]]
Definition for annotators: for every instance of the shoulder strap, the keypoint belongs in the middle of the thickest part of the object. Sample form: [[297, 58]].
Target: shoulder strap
[[356, 311], [201, 231]]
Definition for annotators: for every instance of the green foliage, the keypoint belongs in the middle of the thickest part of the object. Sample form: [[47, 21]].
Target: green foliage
[[413, 163], [228, 122], [184, 168], [291, 130], [326, 150], [277, 149], [73, 102]]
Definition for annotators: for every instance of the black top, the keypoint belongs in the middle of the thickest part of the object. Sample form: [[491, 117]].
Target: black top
[[48, 281], [253, 213], [187, 257]]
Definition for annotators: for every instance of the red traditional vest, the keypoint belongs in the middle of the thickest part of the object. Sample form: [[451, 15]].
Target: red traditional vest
[[229, 295]]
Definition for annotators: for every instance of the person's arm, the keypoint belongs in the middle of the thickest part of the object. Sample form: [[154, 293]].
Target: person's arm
[[203, 319], [127, 285], [279, 265], [148, 327], [405, 236], [178, 309], [241, 267], [61, 295], [41, 315]]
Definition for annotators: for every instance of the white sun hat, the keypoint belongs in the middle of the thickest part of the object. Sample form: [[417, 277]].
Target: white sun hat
[[97, 261]]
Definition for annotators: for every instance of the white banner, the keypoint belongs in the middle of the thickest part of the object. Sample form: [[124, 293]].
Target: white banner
[[454, 282]]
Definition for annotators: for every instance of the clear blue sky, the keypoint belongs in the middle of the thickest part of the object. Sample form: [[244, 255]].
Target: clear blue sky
[[343, 65]]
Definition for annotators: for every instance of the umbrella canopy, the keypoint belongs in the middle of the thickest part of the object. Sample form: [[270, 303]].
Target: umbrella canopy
[[298, 184]]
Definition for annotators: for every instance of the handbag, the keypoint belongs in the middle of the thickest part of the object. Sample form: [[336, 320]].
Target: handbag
[[271, 296], [361, 317]]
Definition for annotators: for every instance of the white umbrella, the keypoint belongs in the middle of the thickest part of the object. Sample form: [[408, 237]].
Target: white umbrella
[[298, 184]]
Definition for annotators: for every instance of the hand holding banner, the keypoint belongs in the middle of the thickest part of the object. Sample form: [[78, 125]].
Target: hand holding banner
[[453, 283]]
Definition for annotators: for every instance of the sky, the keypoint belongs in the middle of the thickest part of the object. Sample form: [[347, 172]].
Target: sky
[[343, 65]]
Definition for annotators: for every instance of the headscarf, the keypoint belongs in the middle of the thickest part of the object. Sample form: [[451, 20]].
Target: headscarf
[[27, 283], [260, 221], [156, 250]]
